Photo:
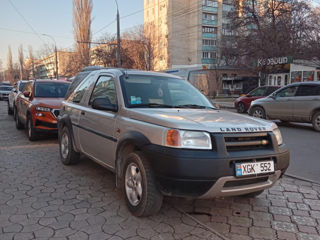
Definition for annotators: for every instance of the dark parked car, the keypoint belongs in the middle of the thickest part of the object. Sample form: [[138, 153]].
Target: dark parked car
[[242, 103], [297, 102]]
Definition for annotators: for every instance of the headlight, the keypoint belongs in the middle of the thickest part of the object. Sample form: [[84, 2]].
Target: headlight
[[188, 139], [277, 133], [43, 109]]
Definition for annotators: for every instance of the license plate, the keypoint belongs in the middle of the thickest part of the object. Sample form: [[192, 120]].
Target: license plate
[[244, 169]]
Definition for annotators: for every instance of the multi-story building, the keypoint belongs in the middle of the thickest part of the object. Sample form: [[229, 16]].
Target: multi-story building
[[187, 32]]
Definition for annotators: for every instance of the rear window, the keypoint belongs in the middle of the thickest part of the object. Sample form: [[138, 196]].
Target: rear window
[[51, 90]]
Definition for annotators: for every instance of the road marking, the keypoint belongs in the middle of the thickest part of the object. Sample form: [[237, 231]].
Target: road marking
[[29, 146]]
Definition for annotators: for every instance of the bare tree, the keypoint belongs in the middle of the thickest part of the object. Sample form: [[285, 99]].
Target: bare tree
[[82, 30], [10, 73], [31, 57], [21, 62]]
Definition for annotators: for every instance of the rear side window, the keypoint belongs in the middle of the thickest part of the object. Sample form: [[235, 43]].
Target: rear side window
[[21, 85], [308, 90], [104, 88], [78, 94], [76, 82], [259, 92], [271, 90]]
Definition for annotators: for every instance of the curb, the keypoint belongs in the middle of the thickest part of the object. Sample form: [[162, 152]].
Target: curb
[[302, 178]]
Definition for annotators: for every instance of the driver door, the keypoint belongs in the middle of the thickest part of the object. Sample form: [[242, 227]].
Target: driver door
[[281, 107]]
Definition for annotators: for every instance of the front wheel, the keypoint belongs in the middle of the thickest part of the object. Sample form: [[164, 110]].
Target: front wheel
[[10, 112], [19, 124], [141, 194], [67, 153], [241, 108], [31, 131], [316, 121], [258, 112]]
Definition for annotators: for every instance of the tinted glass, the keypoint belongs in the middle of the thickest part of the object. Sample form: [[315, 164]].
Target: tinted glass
[[287, 92], [76, 82], [78, 94], [308, 90], [21, 86], [158, 91], [104, 89], [259, 92], [51, 90], [271, 90]]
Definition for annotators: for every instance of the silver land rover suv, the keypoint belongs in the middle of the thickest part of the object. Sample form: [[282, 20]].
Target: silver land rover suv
[[161, 136]]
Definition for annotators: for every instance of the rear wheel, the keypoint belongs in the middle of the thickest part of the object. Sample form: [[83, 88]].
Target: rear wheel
[[316, 121], [258, 112], [241, 107], [141, 194], [31, 131], [68, 155], [19, 124]]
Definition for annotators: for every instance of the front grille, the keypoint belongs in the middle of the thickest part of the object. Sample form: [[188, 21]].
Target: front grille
[[45, 124], [56, 112], [244, 182], [247, 141]]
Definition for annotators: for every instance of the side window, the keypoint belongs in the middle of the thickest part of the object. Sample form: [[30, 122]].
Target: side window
[[27, 87], [258, 92], [287, 92], [308, 90], [104, 88], [78, 94]]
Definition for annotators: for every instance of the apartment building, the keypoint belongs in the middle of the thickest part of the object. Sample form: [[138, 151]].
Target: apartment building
[[187, 32]]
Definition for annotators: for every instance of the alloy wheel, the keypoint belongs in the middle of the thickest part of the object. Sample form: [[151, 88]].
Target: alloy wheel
[[64, 143], [133, 184]]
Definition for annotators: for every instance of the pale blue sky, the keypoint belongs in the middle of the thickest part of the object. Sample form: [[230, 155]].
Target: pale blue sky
[[54, 17]]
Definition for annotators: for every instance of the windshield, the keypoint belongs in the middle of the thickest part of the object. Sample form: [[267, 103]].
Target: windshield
[[51, 90], [22, 85], [155, 91], [5, 88]]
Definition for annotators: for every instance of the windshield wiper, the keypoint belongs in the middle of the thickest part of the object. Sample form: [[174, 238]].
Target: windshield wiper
[[193, 106], [150, 105]]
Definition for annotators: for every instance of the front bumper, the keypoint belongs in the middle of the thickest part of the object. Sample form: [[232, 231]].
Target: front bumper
[[207, 174], [45, 123]]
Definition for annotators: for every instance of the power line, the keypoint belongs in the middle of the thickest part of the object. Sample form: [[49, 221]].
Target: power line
[[25, 20]]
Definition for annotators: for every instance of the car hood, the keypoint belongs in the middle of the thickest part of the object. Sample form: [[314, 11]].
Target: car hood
[[48, 102], [201, 120]]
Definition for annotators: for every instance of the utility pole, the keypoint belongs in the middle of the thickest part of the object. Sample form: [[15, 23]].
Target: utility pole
[[56, 54], [118, 37]]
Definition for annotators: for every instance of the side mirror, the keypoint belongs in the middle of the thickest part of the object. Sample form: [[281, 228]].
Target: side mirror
[[26, 94], [104, 104]]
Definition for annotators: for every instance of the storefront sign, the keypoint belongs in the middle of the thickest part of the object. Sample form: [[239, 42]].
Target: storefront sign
[[274, 61]]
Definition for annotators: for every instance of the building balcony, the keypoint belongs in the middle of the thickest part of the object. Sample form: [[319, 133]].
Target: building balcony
[[209, 22], [208, 61], [209, 48], [210, 9], [209, 35]]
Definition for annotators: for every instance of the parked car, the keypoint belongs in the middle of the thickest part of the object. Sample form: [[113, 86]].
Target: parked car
[[4, 92], [37, 106], [161, 136], [14, 93], [242, 103], [297, 102]]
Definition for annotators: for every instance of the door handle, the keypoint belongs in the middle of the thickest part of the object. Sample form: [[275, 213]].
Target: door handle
[[83, 113]]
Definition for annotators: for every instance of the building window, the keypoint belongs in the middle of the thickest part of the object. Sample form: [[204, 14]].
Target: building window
[[209, 30], [209, 55], [208, 16], [209, 3], [209, 42]]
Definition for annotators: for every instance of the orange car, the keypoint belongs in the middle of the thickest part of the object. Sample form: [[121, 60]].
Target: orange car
[[38, 105]]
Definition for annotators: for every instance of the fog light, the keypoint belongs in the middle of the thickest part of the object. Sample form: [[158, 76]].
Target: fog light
[[39, 114]]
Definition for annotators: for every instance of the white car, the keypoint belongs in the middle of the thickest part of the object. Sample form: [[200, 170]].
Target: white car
[[4, 92], [13, 94]]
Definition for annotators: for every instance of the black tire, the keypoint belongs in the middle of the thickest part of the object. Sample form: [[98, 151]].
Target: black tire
[[316, 121], [241, 107], [19, 124], [10, 111], [258, 112], [31, 131], [149, 200], [68, 155], [253, 194]]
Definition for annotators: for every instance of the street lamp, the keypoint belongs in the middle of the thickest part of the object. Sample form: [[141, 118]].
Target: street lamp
[[56, 53], [118, 37]]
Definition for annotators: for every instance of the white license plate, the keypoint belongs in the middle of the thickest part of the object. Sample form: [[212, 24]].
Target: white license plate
[[244, 169]]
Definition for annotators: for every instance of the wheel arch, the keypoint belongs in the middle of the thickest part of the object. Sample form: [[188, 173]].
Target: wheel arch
[[314, 111], [131, 141], [65, 121]]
